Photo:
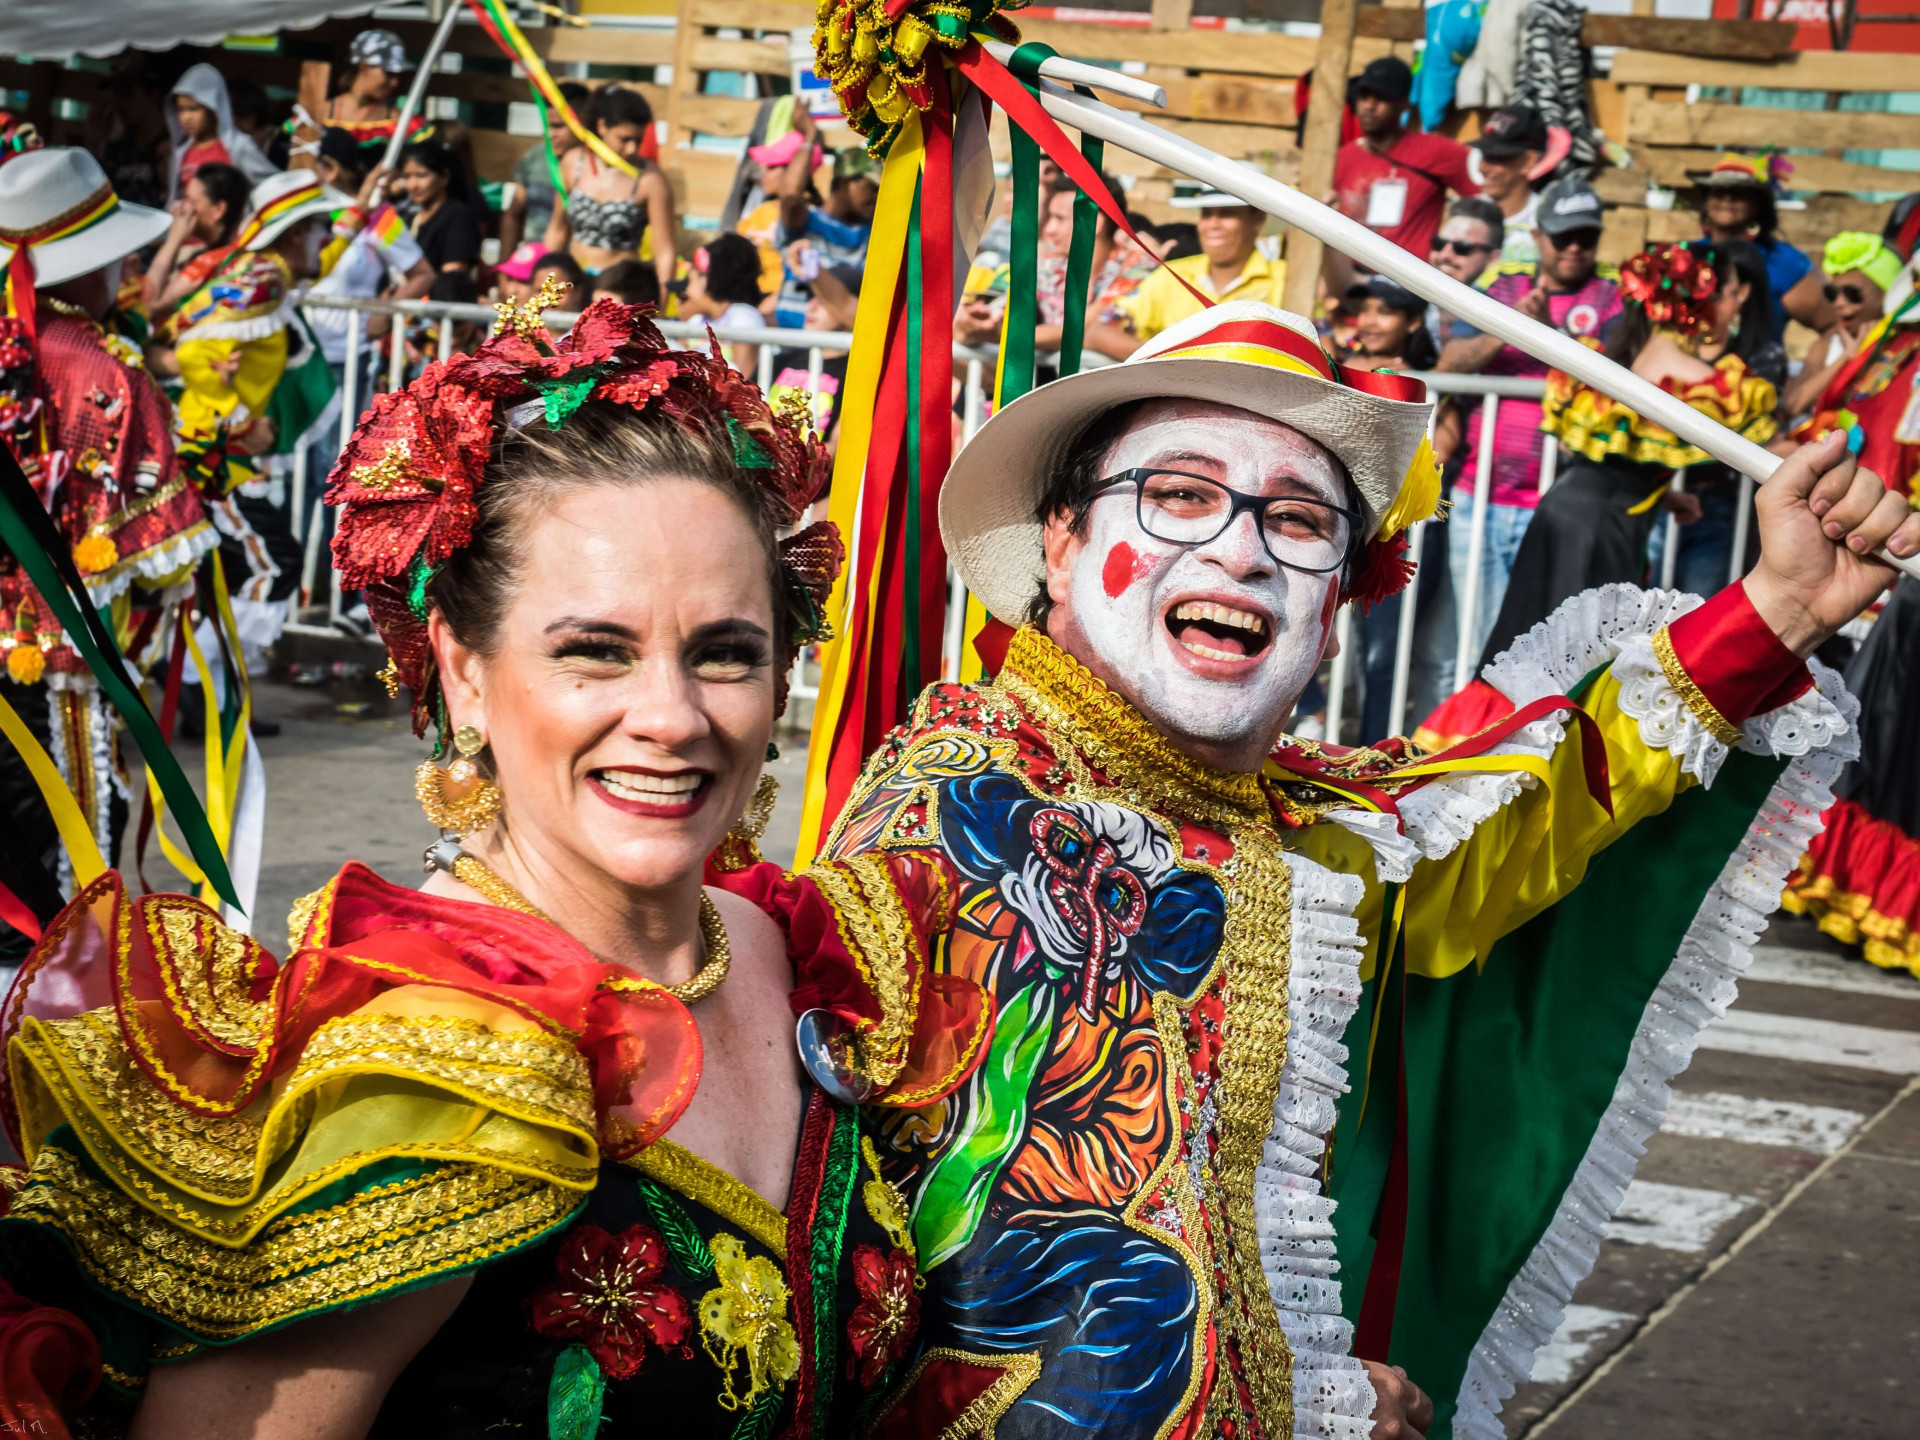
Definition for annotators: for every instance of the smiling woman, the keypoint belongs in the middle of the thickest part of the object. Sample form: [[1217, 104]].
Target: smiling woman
[[546, 1107]]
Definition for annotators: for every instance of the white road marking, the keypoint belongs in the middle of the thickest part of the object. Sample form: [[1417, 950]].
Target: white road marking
[[1819, 1042], [1781, 966], [1822, 1129], [1673, 1217], [1584, 1327]]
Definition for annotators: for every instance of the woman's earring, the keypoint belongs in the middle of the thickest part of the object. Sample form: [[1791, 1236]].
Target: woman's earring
[[740, 847], [459, 798]]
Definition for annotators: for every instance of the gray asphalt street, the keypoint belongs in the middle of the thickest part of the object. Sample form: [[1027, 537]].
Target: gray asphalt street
[[1763, 1277]]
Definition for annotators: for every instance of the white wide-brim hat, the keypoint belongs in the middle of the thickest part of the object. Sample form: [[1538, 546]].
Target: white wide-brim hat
[[61, 205], [1242, 353], [1209, 199], [283, 200]]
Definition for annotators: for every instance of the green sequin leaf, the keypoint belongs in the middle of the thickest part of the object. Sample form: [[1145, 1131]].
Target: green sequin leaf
[[691, 1257], [748, 453], [563, 397], [757, 1423], [574, 1395]]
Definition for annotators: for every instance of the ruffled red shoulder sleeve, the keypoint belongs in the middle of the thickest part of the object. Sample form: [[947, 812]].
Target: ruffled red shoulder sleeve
[[860, 932]]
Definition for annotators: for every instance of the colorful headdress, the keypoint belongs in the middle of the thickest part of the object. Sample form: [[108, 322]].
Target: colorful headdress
[[1671, 283], [1768, 169], [1867, 253], [407, 483]]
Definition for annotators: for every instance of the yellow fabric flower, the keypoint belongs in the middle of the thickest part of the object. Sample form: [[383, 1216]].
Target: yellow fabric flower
[[746, 1314], [26, 664], [885, 1203]]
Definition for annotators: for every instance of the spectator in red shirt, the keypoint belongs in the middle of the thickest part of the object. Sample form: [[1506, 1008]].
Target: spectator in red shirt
[[1391, 180]]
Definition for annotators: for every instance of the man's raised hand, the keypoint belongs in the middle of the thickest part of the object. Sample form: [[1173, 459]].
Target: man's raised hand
[[1821, 517], [1401, 1409]]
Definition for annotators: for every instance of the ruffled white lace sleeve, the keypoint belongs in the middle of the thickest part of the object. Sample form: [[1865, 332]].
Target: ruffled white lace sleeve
[[1331, 1395]]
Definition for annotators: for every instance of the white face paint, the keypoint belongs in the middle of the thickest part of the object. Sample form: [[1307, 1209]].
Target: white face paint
[[1214, 643]]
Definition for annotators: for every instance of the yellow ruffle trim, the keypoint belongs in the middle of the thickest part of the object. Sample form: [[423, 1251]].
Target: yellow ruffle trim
[[1598, 426]]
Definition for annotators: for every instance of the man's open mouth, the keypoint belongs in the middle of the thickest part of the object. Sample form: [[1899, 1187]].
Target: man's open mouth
[[1219, 632]]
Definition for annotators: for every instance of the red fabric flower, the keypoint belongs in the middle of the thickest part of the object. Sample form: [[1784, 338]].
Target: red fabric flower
[[1670, 284], [1380, 570], [885, 1321], [610, 1298]]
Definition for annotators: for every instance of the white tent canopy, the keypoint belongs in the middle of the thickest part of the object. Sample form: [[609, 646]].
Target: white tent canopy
[[55, 29]]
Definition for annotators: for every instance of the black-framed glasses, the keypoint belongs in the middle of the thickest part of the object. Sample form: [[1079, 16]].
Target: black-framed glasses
[[1460, 247], [1581, 239], [1315, 536], [1855, 295]]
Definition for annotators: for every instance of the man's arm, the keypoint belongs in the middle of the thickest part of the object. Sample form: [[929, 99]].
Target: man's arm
[[792, 187], [1469, 356]]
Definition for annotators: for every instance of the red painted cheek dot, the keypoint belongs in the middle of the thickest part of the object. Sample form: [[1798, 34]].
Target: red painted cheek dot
[[1124, 566]]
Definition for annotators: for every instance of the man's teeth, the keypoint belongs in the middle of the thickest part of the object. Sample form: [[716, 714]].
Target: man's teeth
[[1220, 615], [631, 785]]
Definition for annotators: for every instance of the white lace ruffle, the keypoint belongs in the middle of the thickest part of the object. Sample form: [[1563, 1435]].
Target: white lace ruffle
[[1697, 989], [156, 562], [1332, 1398], [1394, 855]]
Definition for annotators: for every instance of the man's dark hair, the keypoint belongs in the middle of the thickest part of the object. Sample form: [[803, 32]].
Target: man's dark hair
[[1185, 236], [568, 270], [616, 104], [632, 282], [1073, 485], [733, 270], [1478, 207]]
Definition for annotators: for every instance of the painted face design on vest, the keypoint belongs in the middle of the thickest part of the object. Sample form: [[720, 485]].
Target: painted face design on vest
[[1212, 641]]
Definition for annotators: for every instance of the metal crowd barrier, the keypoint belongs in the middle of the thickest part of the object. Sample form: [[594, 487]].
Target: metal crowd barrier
[[975, 369]]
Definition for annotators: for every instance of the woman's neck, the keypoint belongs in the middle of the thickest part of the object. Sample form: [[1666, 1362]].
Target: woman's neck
[[654, 932], [431, 207]]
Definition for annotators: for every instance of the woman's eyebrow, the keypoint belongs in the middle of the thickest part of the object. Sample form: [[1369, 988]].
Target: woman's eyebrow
[[736, 627], [584, 625]]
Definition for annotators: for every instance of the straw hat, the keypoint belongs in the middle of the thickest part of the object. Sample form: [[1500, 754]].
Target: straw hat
[[1241, 353], [61, 205], [286, 199]]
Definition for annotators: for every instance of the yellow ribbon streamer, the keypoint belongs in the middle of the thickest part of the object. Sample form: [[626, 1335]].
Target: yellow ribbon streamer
[[886, 251], [76, 834]]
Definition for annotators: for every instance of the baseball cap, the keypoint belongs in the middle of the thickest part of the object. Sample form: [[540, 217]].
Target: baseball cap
[[854, 163], [1568, 204], [523, 262], [379, 47], [847, 275], [1388, 77], [1379, 287], [1512, 130]]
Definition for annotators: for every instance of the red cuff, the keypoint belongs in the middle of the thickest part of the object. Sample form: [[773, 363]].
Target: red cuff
[[1740, 666]]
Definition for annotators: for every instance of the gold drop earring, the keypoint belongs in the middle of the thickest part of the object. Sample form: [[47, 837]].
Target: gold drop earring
[[459, 798], [740, 846]]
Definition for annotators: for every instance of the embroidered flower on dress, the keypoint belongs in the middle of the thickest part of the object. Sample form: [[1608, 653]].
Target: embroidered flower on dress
[[888, 1315], [610, 1298], [746, 1314]]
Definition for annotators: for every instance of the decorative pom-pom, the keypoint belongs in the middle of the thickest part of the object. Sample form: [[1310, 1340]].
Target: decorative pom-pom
[[1382, 569], [26, 664], [96, 553]]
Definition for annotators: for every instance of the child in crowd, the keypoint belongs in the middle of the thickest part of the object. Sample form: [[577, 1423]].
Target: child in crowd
[[724, 290], [630, 282]]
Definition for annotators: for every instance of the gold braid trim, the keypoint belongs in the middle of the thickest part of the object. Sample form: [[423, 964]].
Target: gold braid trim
[[1691, 695], [976, 1422], [878, 932], [394, 1235], [705, 1183]]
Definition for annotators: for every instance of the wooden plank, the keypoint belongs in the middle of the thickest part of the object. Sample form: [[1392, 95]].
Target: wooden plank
[[1607, 103], [1172, 14], [1664, 123], [1385, 22], [1624, 235], [757, 57], [605, 45], [1716, 39], [718, 114], [1250, 53], [495, 152], [1803, 70], [752, 14], [700, 179], [1240, 100], [1808, 229], [1669, 165], [1319, 140], [598, 44]]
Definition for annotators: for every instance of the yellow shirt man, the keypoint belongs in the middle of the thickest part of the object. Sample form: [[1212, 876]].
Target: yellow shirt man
[[1161, 301]]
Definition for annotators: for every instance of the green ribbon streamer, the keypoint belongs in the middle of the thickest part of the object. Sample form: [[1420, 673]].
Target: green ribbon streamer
[[909, 676], [1023, 265], [1086, 214], [546, 139], [27, 531]]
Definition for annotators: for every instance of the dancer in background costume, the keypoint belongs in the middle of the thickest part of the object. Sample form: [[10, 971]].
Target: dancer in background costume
[[527, 1150], [91, 431], [1237, 978]]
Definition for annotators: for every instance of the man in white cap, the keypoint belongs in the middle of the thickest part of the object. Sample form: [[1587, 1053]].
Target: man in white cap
[[92, 433], [1194, 938]]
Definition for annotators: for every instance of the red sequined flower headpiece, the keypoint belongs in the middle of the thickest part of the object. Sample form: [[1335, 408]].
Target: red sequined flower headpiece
[[1670, 284], [406, 484]]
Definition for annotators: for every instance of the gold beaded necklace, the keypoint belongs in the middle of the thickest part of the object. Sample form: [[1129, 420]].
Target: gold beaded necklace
[[713, 931]]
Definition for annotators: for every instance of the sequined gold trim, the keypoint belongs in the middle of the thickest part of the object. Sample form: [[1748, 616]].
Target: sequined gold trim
[[208, 970], [1691, 695], [976, 1422], [126, 516], [705, 1183], [878, 932], [307, 921], [378, 1241], [121, 1379]]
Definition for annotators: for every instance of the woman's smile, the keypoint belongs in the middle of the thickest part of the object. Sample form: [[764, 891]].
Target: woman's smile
[[657, 794]]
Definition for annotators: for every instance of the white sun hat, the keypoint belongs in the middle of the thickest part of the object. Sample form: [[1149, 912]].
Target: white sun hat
[[1207, 198], [1241, 353], [60, 205], [286, 199]]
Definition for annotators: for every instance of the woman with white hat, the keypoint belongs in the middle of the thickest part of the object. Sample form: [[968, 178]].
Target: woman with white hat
[[92, 433]]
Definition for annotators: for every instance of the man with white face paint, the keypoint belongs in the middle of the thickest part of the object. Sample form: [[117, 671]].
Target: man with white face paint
[[91, 432], [1236, 979]]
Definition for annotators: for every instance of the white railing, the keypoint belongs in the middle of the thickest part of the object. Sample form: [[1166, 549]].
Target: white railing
[[974, 367]]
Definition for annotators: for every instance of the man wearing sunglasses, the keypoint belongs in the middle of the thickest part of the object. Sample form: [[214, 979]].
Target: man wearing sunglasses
[[1157, 909], [1565, 289]]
